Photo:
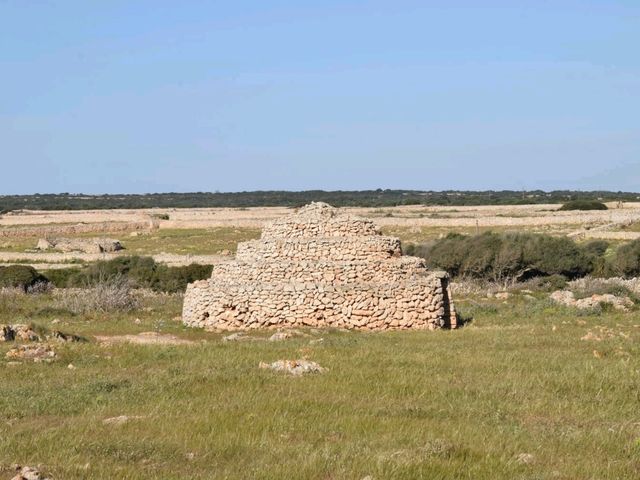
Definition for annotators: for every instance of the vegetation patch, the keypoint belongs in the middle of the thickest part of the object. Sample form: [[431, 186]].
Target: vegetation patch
[[139, 272], [19, 276], [584, 204]]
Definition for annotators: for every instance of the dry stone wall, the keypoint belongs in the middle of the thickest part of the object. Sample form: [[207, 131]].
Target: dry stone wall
[[320, 267]]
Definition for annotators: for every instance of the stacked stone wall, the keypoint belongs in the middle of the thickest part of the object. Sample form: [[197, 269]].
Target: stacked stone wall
[[320, 248], [423, 305], [346, 226], [395, 270]]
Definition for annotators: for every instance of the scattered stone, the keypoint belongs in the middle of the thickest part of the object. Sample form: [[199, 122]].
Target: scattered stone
[[65, 337], [137, 321], [29, 473], [144, 338], [525, 458], [286, 334], [502, 295], [226, 253], [294, 367], [316, 341], [38, 353], [121, 420], [237, 337], [566, 297], [71, 366], [591, 336], [280, 336], [25, 333]]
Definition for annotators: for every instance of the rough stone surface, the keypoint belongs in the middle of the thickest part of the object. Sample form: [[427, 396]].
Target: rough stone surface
[[38, 352], [321, 268], [86, 245], [567, 298], [22, 332], [293, 367], [29, 473]]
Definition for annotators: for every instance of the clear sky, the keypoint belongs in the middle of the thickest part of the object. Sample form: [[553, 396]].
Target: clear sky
[[126, 96]]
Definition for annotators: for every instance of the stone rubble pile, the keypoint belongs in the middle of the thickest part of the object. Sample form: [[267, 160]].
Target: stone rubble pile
[[38, 352], [321, 268], [293, 367], [85, 245], [28, 473], [566, 297]]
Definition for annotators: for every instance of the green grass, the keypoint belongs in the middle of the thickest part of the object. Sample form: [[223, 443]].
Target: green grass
[[190, 241], [437, 405], [195, 241]]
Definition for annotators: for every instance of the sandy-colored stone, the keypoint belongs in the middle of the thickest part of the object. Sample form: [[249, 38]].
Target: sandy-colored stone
[[321, 267]]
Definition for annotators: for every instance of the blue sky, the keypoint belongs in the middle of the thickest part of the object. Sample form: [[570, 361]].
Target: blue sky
[[151, 96]]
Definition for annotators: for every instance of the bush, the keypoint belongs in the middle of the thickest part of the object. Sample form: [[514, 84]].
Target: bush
[[141, 272], [111, 294], [496, 257], [19, 276], [61, 277], [584, 205], [626, 261]]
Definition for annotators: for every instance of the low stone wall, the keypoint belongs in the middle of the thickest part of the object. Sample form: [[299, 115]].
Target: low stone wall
[[60, 230], [392, 270], [345, 226], [334, 248], [424, 304]]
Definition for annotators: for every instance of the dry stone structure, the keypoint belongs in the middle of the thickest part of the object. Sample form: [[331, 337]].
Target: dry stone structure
[[320, 267]]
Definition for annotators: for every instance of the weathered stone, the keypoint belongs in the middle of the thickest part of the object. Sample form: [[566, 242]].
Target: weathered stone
[[86, 245], [320, 267]]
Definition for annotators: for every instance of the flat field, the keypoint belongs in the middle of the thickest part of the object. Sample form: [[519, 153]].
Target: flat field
[[183, 236], [515, 393]]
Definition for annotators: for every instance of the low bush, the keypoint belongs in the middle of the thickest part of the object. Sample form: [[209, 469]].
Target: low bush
[[626, 261], [584, 205], [499, 257], [141, 272], [20, 276], [60, 277], [108, 294]]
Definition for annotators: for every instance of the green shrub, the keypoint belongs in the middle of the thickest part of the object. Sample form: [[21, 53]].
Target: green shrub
[[549, 283], [496, 257], [584, 205], [19, 276], [61, 277], [140, 272], [626, 261]]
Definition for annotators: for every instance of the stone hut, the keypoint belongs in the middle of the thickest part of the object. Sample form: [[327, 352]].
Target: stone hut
[[320, 267]]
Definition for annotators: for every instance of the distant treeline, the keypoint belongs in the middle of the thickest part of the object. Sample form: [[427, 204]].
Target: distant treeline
[[364, 198]]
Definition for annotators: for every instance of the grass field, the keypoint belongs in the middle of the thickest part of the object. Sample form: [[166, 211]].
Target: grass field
[[195, 241], [517, 379]]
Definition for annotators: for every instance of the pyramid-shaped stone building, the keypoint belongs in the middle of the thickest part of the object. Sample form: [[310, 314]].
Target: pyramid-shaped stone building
[[320, 267]]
